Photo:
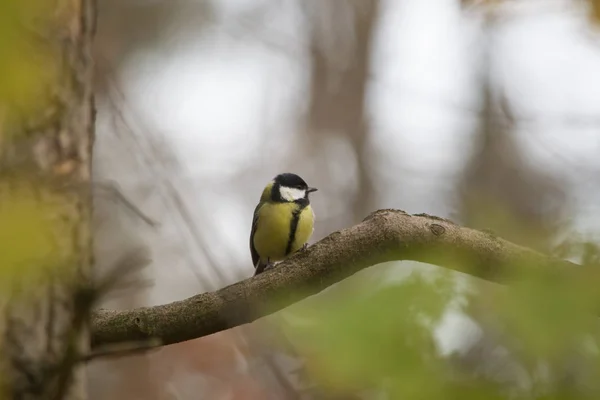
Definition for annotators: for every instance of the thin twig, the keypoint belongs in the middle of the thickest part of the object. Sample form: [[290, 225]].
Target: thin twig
[[112, 189], [121, 349]]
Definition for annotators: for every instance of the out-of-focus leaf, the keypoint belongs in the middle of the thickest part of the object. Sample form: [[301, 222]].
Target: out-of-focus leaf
[[27, 63], [380, 340], [548, 325], [34, 231], [548, 317]]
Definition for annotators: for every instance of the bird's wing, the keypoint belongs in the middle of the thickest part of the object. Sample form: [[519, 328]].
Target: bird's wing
[[255, 256]]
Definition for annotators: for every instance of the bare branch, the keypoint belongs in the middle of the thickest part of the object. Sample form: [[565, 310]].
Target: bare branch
[[385, 235], [112, 190]]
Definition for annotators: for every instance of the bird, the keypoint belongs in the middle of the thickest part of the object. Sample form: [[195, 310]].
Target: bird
[[283, 221]]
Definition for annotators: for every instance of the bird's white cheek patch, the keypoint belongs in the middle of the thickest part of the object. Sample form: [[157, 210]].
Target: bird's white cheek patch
[[291, 194]]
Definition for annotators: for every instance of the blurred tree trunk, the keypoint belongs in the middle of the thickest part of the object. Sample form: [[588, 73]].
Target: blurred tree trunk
[[45, 159], [501, 189], [340, 69], [504, 192]]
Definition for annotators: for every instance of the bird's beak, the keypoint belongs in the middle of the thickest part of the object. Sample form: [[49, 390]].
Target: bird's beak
[[310, 190]]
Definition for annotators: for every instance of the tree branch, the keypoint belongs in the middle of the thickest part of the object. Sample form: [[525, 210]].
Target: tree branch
[[385, 235]]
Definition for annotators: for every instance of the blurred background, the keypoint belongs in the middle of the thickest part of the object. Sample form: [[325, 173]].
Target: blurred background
[[484, 112]]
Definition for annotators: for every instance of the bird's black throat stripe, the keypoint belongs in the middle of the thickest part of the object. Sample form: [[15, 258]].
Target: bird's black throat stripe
[[294, 225]]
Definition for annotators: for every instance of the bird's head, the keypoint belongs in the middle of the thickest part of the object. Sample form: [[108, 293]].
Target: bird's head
[[287, 188]]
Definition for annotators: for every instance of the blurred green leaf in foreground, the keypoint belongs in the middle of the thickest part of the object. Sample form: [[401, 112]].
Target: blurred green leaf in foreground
[[33, 218], [28, 65], [381, 339], [34, 234], [384, 339]]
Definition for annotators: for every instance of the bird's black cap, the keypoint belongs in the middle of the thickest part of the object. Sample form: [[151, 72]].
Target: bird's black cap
[[291, 180]]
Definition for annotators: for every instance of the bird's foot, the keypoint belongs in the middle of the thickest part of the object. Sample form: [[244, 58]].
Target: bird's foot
[[304, 247], [260, 267], [269, 265]]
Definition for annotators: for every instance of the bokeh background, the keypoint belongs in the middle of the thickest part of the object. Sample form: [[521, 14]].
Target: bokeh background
[[485, 112]]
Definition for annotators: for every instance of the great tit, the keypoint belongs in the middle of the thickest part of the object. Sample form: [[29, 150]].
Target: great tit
[[283, 221]]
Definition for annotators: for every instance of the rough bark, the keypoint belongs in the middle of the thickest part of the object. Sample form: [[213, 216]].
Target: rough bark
[[46, 154], [385, 235]]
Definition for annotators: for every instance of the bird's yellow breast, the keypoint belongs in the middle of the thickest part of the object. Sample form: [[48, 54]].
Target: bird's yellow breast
[[273, 230], [304, 229]]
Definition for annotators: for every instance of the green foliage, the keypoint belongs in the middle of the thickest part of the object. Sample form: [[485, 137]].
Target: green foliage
[[27, 64], [34, 231], [546, 316], [549, 323], [380, 339], [383, 339]]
